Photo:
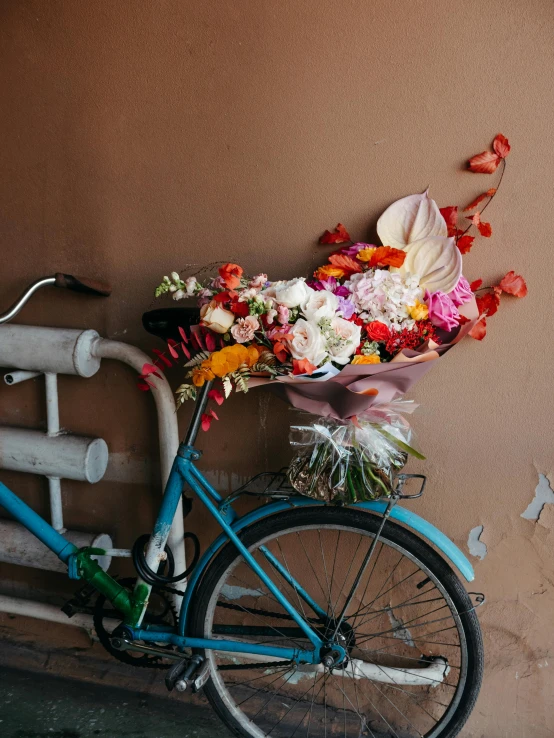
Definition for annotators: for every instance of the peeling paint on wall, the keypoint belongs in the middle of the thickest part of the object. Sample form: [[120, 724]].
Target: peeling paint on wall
[[544, 495], [476, 547]]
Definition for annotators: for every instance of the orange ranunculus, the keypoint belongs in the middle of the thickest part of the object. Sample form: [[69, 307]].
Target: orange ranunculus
[[365, 254], [369, 359], [387, 256], [230, 275], [201, 374], [329, 270]]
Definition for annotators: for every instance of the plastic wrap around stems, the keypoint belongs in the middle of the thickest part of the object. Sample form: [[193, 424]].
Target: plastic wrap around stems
[[352, 461]]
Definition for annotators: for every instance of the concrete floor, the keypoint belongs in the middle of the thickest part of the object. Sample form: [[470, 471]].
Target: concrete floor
[[36, 706]]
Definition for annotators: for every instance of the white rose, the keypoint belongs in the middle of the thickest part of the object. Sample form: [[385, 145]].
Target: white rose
[[307, 342], [320, 304], [350, 336], [216, 318], [291, 294]]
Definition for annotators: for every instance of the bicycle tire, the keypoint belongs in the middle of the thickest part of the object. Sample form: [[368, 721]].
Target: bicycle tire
[[365, 524]]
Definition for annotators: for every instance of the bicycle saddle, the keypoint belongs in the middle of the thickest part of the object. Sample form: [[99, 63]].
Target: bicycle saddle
[[165, 322]]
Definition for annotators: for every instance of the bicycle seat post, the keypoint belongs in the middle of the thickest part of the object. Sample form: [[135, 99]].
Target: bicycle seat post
[[199, 409]]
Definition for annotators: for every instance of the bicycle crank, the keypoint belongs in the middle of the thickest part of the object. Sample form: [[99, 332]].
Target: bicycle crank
[[191, 671]]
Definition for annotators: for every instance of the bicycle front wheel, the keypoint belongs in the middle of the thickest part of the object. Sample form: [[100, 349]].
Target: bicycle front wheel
[[415, 655]]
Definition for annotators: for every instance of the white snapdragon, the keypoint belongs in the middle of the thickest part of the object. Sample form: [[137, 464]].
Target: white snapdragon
[[382, 295]]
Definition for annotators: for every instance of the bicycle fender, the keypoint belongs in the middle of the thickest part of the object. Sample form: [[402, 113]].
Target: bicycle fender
[[402, 515]]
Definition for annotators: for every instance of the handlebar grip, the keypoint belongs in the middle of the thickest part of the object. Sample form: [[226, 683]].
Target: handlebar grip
[[83, 284]]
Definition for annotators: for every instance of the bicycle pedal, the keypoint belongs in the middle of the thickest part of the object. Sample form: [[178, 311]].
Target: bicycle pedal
[[185, 674]]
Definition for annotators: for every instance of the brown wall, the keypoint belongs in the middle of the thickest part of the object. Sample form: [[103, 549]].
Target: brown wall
[[137, 137]]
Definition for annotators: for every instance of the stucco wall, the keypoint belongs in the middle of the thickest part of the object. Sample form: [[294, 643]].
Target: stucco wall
[[139, 136]]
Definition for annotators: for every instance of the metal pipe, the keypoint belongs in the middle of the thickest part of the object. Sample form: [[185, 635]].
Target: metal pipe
[[16, 377], [52, 407], [42, 611], [22, 548], [52, 430], [18, 305], [168, 431], [55, 350]]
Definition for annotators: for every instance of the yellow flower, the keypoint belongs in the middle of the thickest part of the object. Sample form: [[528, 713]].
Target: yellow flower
[[365, 254], [228, 360], [419, 311], [329, 270], [369, 359]]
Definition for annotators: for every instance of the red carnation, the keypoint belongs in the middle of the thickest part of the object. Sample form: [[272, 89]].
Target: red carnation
[[378, 331], [240, 309]]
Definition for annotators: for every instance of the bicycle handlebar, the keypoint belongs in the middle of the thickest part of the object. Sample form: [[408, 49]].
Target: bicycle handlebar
[[67, 281]]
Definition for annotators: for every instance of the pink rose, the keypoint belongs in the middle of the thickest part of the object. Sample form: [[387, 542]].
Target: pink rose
[[244, 329], [461, 293], [283, 314], [442, 311]]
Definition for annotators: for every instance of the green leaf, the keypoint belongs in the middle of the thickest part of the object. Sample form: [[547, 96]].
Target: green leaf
[[400, 444]]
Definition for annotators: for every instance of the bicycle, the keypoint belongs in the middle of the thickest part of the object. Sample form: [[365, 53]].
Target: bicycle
[[302, 618]]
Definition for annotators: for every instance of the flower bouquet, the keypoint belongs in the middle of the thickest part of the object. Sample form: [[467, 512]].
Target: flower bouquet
[[348, 342]]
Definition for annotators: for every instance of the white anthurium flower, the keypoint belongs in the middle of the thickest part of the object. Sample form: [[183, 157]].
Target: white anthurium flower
[[436, 260], [410, 219]]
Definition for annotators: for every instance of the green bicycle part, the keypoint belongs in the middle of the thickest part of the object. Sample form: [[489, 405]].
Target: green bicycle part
[[131, 605]]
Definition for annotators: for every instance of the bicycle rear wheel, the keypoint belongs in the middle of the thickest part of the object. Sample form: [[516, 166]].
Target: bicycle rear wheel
[[415, 651]]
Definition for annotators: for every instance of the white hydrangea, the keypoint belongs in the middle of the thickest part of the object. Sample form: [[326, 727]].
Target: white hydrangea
[[385, 296]]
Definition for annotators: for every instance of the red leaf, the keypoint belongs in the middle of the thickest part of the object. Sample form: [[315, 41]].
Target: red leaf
[[183, 335], [206, 421], [488, 161], [340, 235], [462, 320], [450, 215], [479, 199], [172, 350], [143, 386], [163, 358], [485, 163], [343, 261], [485, 229], [501, 146], [150, 369], [210, 342], [465, 243], [214, 414], [479, 330], [513, 284], [474, 286], [185, 350], [216, 395]]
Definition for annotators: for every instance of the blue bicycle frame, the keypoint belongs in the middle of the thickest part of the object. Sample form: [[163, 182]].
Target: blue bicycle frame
[[81, 565]]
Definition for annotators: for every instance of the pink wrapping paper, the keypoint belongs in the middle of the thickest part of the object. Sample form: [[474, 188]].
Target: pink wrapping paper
[[343, 396]]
